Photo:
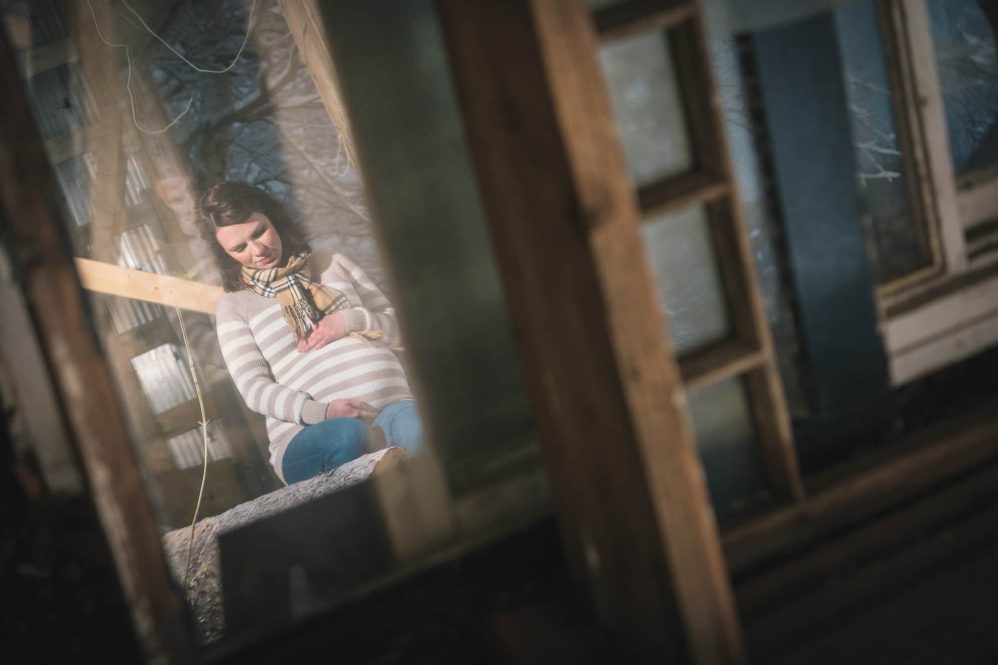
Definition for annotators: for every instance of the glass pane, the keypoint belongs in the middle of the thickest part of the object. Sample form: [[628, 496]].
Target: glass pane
[[743, 130], [727, 443], [964, 40], [220, 94], [647, 105], [896, 234], [682, 258]]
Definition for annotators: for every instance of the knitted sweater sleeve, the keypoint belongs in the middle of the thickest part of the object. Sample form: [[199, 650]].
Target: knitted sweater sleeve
[[252, 376], [376, 312]]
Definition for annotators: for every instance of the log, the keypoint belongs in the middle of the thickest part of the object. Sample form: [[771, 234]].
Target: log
[[203, 587]]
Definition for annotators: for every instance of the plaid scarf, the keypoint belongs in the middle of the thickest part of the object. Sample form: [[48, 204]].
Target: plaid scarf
[[303, 302]]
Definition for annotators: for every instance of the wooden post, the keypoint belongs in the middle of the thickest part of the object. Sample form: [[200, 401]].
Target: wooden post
[[28, 196], [107, 197], [617, 441], [305, 23]]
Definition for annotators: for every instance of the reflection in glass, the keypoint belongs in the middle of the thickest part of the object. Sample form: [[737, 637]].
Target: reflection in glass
[[646, 103], [727, 443], [896, 235], [132, 163], [964, 40], [132, 169], [682, 259]]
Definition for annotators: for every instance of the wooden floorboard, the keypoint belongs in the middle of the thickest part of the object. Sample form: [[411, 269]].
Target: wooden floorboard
[[949, 617], [873, 601]]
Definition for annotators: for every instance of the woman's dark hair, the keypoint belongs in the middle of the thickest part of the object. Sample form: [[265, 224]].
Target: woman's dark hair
[[232, 202]]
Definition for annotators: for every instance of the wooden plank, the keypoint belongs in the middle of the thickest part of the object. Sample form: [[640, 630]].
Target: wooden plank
[[39, 59], [772, 426], [18, 30], [169, 175], [939, 452], [151, 448], [628, 19], [914, 149], [736, 267], [607, 392], [28, 206], [159, 289], [67, 146], [882, 535], [107, 194], [305, 22], [978, 203], [882, 578], [719, 363], [936, 317], [185, 417], [673, 194], [695, 80], [925, 113], [960, 342]]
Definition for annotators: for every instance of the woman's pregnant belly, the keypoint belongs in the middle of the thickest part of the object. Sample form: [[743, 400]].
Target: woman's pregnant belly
[[347, 368]]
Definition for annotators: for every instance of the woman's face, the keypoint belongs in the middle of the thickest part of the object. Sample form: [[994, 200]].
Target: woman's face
[[253, 243]]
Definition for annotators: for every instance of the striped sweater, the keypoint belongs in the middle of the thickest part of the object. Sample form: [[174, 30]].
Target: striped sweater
[[292, 389]]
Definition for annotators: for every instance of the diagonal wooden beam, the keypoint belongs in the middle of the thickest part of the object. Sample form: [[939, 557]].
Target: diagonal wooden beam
[[615, 434], [305, 22], [103, 141]]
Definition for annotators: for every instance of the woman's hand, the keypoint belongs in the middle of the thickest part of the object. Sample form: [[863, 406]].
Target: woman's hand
[[328, 329], [350, 408]]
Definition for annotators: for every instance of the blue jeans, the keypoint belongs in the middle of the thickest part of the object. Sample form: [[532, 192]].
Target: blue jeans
[[324, 446]]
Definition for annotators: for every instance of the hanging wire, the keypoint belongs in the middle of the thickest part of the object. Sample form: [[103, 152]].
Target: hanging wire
[[128, 58]]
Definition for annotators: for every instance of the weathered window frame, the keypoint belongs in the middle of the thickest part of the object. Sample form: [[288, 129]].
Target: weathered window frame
[[945, 313], [748, 352]]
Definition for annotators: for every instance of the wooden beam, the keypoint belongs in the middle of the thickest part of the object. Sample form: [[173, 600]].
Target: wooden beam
[[925, 203], [922, 109], [883, 534], [104, 142], [151, 287], [88, 403], [38, 59], [942, 451], [184, 417], [962, 340], [18, 30], [151, 448], [688, 189], [978, 203], [720, 362], [616, 438], [628, 19], [735, 260], [67, 146], [305, 22]]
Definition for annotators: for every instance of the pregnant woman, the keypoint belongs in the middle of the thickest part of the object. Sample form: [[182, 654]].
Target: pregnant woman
[[307, 338]]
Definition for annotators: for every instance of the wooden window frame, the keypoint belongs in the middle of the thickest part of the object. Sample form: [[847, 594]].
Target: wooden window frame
[[97, 424], [709, 182], [940, 315]]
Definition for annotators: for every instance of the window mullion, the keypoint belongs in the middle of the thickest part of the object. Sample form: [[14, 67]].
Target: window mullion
[[910, 38]]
